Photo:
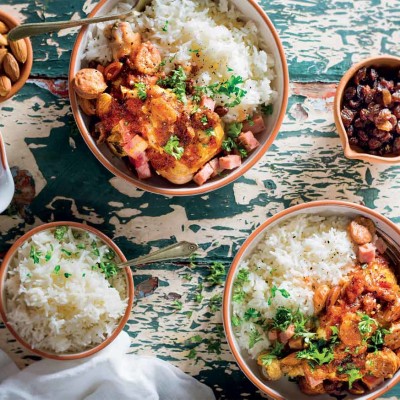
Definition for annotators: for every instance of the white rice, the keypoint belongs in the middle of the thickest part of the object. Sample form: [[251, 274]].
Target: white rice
[[227, 43], [62, 304], [296, 255]]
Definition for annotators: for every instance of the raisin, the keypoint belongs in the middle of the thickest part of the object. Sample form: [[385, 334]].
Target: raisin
[[359, 123], [354, 103], [396, 96], [362, 136], [350, 92], [373, 75], [396, 111], [384, 84], [353, 141], [360, 76], [396, 145], [382, 136], [347, 116], [374, 144], [386, 97], [398, 128], [350, 131], [364, 113]]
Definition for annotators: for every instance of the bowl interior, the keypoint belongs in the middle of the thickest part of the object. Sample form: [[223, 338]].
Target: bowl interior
[[283, 389], [26, 68], [128, 294], [158, 184], [351, 151]]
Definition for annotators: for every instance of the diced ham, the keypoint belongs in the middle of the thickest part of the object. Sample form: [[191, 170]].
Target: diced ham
[[313, 382], [135, 146], [230, 162], [272, 334], [371, 382], [248, 140], [366, 253], [287, 334], [142, 166], [379, 244], [214, 163], [204, 174], [255, 125], [207, 102]]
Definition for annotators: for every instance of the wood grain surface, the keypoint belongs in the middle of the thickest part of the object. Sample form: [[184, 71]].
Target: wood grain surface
[[58, 178]]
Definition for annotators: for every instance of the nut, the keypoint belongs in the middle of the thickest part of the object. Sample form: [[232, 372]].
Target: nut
[[87, 106], [5, 85], [3, 28], [103, 105], [11, 67], [3, 40], [3, 53], [19, 49]]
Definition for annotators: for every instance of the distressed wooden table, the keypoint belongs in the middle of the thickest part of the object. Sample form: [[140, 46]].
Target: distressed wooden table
[[57, 177]]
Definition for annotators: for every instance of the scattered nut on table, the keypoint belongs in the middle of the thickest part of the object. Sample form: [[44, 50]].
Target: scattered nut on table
[[5, 85], [11, 67]]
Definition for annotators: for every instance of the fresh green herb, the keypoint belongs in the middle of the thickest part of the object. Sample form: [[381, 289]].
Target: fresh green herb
[[162, 63], [57, 269], [84, 274], [274, 289], [165, 27], [254, 337], [242, 152], [29, 275], [188, 277], [81, 246], [267, 109], [236, 321], [364, 266], [352, 372], [283, 318], [67, 275], [214, 346], [108, 268], [266, 359], [198, 297], [192, 354], [318, 353], [378, 339], [60, 232], [241, 278], [142, 90], [195, 339], [172, 148], [66, 252], [234, 129], [229, 69], [35, 254], [334, 339], [110, 254], [192, 260], [366, 323], [196, 51], [217, 273], [204, 120], [177, 304], [189, 314], [48, 255], [210, 132], [177, 82], [228, 145], [249, 120], [251, 313], [95, 249], [215, 303], [195, 109]]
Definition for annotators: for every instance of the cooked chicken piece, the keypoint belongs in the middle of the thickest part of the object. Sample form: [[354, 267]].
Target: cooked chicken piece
[[371, 382], [306, 388], [89, 83], [392, 312], [103, 105], [382, 364], [360, 234], [124, 42], [333, 296], [349, 333], [292, 366], [147, 59], [113, 70], [320, 296], [87, 106], [392, 339], [296, 344], [368, 223], [272, 372]]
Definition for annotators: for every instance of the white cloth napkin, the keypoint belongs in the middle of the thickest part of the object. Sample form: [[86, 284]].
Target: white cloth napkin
[[110, 374]]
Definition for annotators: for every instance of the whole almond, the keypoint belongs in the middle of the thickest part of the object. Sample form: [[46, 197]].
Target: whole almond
[[11, 67], [3, 27], [3, 52], [3, 40], [19, 49], [5, 85]]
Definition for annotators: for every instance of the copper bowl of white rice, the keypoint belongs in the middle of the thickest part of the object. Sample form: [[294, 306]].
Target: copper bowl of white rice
[[62, 296], [282, 259], [237, 38]]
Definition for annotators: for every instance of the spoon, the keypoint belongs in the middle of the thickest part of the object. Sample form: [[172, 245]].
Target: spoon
[[6, 180], [25, 30], [178, 250]]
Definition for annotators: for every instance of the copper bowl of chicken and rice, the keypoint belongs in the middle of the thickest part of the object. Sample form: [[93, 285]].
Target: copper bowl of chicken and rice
[[183, 98], [312, 303]]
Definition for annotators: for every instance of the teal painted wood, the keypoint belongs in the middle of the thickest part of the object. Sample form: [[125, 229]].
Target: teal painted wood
[[305, 163]]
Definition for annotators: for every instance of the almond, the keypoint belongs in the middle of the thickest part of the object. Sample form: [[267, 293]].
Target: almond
[[19, 49], [3, 52], [3, 40], [5, 85], [3, 28], [11, 67]]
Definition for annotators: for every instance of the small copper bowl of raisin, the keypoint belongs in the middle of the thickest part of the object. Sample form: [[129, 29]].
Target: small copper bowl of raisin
[[367, 110]]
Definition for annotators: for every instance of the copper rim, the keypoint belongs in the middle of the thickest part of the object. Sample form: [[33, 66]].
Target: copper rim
[[179, 191], [3, 269], [2, 153], [229, 282], [11, 22], [348, 151]]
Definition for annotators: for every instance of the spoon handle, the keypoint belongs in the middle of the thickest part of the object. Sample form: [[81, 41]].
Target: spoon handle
[[3, 159], [25, 30], [177, 250]]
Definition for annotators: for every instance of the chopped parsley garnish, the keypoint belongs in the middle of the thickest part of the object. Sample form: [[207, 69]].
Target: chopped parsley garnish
[[243, 152], [108, 268], [254, 337], [177, 304], [217, 273], [210, 132], [35, 254], [228, 145], [229, 69], [198, 296], [60, 232], [352, 373], [66, 252], [110, 255], [95, 249], [165, 27], [267, 109], [366, 323], [196, 51], [249, 120], [234, 130], [192, 354], [49, 253], [267, 358], [172, 148], [162, 63], [236, 320], [57, 269], [241, 278], [251, 313], [378, 339], [204, 120], [215, 303], [188, 277], [318, 352], [142, 90], [67, 275], [195, 339], [177, 82], [274, 289], [81, 246]]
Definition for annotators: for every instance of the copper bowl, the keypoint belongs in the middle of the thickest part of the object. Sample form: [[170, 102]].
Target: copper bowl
[[158, 184], [354, 152], [26, 68], [126, 271], [284, 389]]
